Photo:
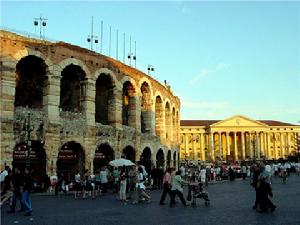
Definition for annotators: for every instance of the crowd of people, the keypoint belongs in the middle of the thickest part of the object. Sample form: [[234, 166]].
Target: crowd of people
[[133, 184]]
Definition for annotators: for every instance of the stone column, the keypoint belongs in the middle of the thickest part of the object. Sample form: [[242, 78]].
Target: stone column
[[212, 147], [269, 146], [257, 144], [134, 117], [274, 147], [236, 158], [288, 143], [243, 146], [186, 145], [220, 145], [266, 153], [202, 147], [251, 146], [88, 101], [282, 149], [227, 145], [51, 96], [115, 108]]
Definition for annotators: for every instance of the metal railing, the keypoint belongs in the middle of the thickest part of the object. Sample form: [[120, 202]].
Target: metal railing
[[27, 34]]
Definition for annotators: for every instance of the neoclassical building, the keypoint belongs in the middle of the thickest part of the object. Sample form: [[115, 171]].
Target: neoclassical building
[[237, 138], [65, 108]]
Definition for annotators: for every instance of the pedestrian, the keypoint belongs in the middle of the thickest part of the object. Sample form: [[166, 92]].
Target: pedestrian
[[78, 186], [166, 186], [177, 190], [104, 179], [265, 190], [122, 192], [202, 175], [17, 182], [254, 182], [244, 171], [27, 187]]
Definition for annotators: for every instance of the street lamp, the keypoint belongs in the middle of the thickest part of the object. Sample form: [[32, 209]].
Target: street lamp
[[150, 68], [131, 56], [92, 38], [42, 23]]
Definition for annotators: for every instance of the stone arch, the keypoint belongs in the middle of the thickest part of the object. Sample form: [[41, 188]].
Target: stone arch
[[160, 159], [129, 153], [129, 79], [168, 121], [36, 161], [28, 51], [72, 61], [104, 98], [72, 88], [107, 72], [147, 81], [145, 159], [146, 108], [159, 120], [128, 103], [71, 159], [104, 153], [31, 79]]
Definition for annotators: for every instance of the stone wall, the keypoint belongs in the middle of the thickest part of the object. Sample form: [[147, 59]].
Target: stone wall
[[54, 127]]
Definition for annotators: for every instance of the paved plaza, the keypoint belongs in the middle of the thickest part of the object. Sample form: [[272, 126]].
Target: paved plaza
[[231, 203]]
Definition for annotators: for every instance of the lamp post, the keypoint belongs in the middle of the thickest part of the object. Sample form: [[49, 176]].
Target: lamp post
[[40, 22], [150, 68], [92, 38]]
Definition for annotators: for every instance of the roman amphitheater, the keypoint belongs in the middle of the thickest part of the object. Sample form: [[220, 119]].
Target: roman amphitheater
[[75, 109]]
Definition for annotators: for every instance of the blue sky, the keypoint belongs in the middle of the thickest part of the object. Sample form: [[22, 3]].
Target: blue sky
[[220, 58]]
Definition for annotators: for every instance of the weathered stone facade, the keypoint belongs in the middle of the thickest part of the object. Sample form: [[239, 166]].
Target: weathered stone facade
[[140, 113]]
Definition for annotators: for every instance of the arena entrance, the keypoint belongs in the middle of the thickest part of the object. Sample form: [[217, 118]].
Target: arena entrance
[[129, 153], [36, 161], [71, 160], [160, 159], [103, 155], [146, 159]]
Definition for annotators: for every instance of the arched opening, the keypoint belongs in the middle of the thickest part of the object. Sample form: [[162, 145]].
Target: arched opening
[[71, 88], [30, 82], [160, 159], [168, 121], [128, 102], [169, 158], [145, 108], [71, 160], [103, 155], [146, 159], [129, 153], [158, 116], [104, 95], [174, 160], [36, 161]]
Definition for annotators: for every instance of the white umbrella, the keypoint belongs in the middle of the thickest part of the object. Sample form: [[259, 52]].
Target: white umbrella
[[121, 162]]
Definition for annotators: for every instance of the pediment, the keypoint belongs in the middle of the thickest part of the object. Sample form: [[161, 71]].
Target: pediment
[[238, 121]]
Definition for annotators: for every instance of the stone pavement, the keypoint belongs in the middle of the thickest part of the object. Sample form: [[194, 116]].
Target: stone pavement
[[231, 204]]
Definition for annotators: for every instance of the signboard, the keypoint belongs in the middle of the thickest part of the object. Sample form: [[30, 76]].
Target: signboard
[[67, 154], [21, 153]]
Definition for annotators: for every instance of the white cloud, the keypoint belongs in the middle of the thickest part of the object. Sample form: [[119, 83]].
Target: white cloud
[[204, 72]]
